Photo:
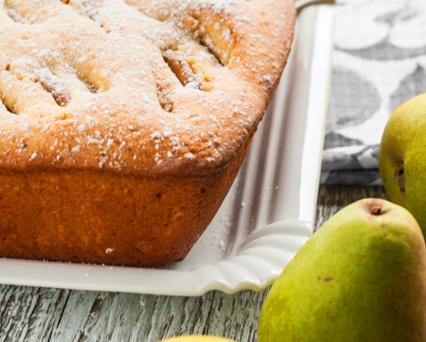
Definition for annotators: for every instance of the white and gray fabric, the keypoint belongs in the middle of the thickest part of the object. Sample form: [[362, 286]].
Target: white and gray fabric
[[379, 63]]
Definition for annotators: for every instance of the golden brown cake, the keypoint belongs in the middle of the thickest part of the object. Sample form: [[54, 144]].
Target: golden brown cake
[[123, 123]]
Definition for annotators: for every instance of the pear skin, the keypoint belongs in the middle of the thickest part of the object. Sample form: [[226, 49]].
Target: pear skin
[[403, 158], [360, 278]]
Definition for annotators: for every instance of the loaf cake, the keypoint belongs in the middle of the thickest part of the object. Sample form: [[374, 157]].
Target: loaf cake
[[123, 123]]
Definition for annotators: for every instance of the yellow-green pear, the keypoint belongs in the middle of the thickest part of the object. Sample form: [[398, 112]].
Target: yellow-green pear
[[360, 278], [403, 158], [198, 339]]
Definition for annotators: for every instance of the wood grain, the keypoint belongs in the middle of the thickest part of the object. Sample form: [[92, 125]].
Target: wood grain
[[36, 314]]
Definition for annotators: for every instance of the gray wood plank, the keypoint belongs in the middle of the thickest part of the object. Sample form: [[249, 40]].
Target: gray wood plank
[[29, 314], [33, 314]]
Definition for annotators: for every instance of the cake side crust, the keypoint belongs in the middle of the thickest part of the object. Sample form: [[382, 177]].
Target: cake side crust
[[101, 218]]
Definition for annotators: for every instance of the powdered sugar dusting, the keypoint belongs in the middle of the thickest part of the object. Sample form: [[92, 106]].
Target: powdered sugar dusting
[[131, 85]]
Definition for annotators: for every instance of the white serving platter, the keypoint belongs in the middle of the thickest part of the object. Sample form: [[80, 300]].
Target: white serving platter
[[268, 214]]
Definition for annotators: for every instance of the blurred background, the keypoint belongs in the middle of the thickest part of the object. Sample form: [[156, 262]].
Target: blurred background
[[379, 62]]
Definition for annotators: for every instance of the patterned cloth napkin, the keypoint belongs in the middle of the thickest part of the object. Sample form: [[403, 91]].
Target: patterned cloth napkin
[[379, 62]]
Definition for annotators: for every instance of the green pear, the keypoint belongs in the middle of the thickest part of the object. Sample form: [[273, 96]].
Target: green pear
[[403, 158], [360, 278]]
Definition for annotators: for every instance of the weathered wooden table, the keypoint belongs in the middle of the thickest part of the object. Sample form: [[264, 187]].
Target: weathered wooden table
[[36, 314]]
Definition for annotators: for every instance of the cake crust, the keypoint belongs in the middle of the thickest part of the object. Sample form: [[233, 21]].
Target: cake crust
[[107, 218], [105, 104]]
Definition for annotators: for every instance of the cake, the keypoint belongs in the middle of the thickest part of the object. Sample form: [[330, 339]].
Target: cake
[[124, 123]]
